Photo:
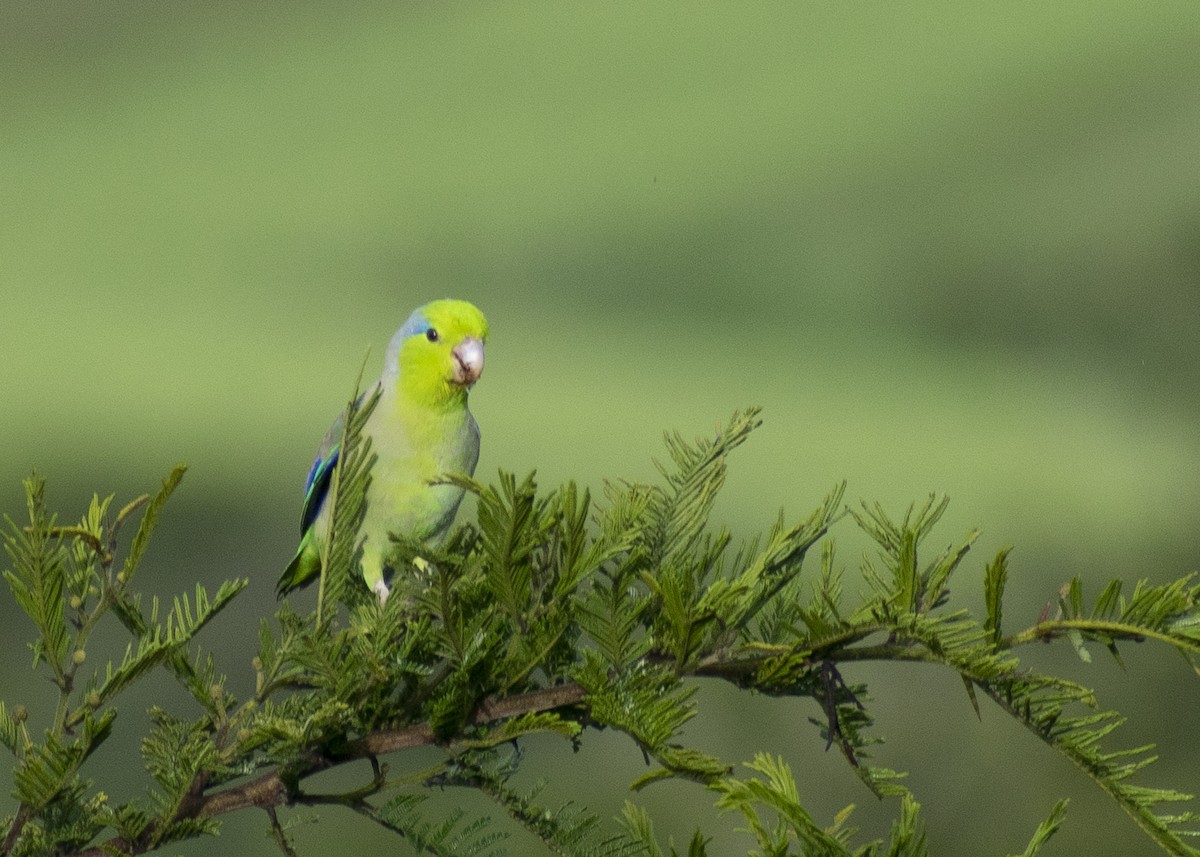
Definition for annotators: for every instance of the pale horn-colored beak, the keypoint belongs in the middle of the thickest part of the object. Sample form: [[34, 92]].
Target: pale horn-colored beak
[[468, 361]]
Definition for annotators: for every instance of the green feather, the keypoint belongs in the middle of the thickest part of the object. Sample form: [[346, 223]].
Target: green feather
[[304, 567]]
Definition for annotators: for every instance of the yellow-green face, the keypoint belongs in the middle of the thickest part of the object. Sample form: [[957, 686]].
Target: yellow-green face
[[441, 355]]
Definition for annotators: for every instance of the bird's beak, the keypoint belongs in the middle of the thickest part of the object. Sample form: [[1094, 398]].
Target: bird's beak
[[468, 361]]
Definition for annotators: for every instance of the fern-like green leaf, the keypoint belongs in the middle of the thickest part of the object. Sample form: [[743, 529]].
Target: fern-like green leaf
[[526, 724], [995, 579], [777, 564], [637, 823], [347, 500], [141, 539], [512, 520], [567, 830], [151, 651], [1046, 829], [1043, 706], [677, 513], [50, 768], [776, 791], [37, 578], [10, 731], [447, 838]]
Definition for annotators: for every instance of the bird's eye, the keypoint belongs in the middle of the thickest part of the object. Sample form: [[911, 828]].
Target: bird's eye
[[432, 334]]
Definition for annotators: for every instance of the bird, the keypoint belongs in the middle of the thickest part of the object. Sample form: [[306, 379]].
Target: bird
[[420, 429]]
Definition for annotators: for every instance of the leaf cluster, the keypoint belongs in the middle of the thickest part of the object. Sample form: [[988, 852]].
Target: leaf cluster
[[67, 579], [551, 613]]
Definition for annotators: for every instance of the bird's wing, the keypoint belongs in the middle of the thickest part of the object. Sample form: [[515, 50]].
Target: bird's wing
[[317, 485], [306, 564]]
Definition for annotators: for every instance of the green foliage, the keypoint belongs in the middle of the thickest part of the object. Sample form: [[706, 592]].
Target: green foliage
[[37, 579], [547, 615], [347, 500], [1046, 829], [569, 829], [66, 582], [141, 539], [776, 791], [401, 815]]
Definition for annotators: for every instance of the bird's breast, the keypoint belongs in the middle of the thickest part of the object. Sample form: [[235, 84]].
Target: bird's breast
[[410, 456]]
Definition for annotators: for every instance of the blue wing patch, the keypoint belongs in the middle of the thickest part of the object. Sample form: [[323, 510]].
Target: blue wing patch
[[317, 487]]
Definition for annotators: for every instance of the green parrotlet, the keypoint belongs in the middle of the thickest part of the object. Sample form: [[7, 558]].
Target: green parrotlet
[[420, 429]]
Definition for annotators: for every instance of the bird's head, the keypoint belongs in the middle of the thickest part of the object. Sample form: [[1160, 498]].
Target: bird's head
[[438, 354]]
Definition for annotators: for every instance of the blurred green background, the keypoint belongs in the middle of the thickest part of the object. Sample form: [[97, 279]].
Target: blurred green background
[[949, 248]]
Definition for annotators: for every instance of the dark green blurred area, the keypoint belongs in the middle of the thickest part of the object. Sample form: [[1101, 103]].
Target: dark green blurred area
[[950, 249]]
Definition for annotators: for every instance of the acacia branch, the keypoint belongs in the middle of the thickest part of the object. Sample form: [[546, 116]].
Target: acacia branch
[[279, 786], [14, 831], [271, 789]]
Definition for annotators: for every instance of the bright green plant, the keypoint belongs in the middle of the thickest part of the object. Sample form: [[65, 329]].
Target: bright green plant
[[546, 614]]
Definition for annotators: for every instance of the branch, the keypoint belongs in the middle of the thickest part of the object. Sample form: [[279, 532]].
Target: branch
[[271, 789]]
